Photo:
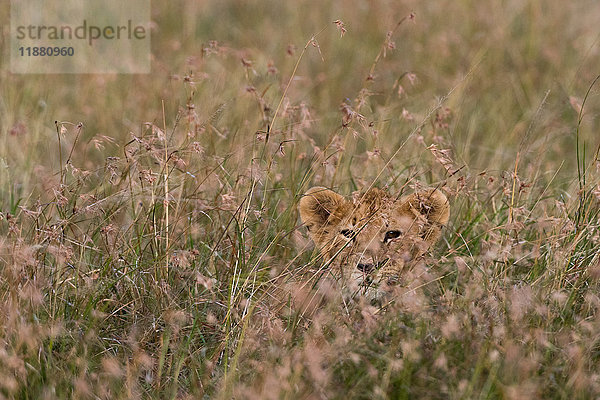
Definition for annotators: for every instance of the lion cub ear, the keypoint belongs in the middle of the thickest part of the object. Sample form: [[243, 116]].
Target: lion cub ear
[[434, 206], [317, 205]]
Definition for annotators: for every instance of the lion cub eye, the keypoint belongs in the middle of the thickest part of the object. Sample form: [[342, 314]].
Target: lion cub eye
[[348, 233], [389, 235]]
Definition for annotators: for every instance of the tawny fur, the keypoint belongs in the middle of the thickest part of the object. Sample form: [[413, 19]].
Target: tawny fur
[[367, 242]]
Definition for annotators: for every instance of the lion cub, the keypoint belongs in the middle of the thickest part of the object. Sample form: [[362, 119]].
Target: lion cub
[[368, 241]]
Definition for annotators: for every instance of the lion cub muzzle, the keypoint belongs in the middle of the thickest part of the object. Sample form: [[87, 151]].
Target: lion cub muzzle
[[368, 268], [372, 238]]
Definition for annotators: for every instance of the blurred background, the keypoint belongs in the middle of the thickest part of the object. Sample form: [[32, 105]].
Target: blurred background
[[503, 69]]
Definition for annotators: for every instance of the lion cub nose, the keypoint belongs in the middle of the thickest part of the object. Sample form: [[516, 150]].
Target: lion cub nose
[[366, 268]]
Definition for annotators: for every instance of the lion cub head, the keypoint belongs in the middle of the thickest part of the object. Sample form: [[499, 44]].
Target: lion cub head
[[369, 241]]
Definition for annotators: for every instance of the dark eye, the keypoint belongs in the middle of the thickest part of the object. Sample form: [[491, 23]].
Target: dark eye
[[348, 233], [389, 235]]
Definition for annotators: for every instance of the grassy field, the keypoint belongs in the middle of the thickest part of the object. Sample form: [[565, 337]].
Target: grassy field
[[150, 245]]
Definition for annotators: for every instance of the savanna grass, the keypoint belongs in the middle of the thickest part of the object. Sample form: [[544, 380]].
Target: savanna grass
[[150, 244]]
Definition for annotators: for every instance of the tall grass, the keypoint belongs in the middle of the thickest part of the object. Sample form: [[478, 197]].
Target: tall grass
[[150, 245]]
